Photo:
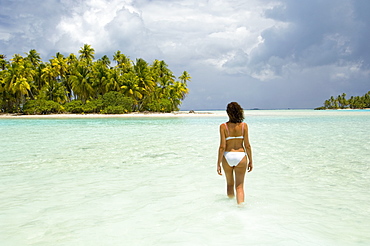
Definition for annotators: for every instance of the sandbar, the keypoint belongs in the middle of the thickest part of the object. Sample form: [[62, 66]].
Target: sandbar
[[129, 115]]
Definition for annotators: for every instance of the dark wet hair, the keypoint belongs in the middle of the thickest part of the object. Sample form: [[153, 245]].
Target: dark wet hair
[[235, 112]]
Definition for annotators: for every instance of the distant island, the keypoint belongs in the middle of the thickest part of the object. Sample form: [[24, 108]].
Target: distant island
[[81, 84], [340, 102]]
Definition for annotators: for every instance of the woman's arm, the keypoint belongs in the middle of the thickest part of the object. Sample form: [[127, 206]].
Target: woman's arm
[[221, 149], [248, 148]]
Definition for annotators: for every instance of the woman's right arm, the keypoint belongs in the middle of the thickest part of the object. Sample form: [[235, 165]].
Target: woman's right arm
[[248, 148], [221, 148]]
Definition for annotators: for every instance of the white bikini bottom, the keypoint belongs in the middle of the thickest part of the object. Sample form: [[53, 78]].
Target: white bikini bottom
[[234, 158]]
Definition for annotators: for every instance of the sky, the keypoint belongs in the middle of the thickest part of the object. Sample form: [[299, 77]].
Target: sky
[[261, 53]]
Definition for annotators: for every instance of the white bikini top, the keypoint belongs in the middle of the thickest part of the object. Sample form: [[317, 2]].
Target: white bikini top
[[238, 137]]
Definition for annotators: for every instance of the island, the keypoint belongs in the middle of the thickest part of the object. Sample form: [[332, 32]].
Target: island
[[71, 84], [340, 102]]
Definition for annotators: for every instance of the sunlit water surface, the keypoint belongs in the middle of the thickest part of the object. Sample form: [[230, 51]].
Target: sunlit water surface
[[153, 181]]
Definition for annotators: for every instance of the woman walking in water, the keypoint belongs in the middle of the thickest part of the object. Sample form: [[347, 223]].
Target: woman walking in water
[[235, 152]]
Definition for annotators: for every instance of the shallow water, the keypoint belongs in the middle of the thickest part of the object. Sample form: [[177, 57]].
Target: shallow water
[[153, 181]]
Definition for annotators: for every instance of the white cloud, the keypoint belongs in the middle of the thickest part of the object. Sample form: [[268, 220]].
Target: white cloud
[[97, 22], [208, 31], [5, 36]]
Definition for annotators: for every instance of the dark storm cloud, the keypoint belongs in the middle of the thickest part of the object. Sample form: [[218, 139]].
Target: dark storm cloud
[[314, 33], [28, 24]]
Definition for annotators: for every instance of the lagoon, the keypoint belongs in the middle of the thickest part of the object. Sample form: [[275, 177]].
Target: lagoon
[[153, 181]]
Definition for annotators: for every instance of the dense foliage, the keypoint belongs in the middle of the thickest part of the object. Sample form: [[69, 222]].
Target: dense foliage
[[84, 85], [340, 102]]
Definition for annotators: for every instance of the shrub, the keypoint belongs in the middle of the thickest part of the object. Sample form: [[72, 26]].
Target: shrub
[[116, 103], [42, 106], [94, 106], [111, 103], [320, 108], [114, 110], [74, 106], [162, 105]]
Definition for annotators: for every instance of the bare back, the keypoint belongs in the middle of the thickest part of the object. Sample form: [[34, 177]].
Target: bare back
[[235, 130]]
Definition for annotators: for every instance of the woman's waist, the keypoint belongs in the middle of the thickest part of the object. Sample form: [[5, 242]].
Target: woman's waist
[[235, 150]]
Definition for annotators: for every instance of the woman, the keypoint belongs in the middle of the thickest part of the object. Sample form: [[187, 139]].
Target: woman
[[235, 152]]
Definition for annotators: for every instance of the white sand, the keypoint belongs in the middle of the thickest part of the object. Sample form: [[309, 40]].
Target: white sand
[[174, 114]]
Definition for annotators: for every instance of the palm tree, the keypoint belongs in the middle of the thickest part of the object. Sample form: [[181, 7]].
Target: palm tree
[[114, 82], [177, 93], [131, 88], [100, 77], [72, 63], [59, 55], [49, 76], [105, 60], [143, 73], [342, 101], [367, 100], [16, 82], [327, 104], [37, 82], [87, 53], [333, 103], [123, 62], [3, 62], [71, 59], [21, 88], [60, 66], [33, 57], [82, 81], [163, 76], [117, 57], [17, 58], [185, 77], [8, 78], [59, 63]]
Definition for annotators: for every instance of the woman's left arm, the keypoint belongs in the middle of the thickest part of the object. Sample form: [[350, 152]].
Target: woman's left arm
[[248, 148]]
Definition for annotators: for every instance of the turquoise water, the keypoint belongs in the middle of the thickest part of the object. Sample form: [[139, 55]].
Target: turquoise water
[[153, 181]]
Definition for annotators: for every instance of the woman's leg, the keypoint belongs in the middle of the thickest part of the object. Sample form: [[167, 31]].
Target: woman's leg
[[229, 178], [240, 170]]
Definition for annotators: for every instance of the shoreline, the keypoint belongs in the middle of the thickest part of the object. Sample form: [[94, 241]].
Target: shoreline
[[129, 115], [185, 114]]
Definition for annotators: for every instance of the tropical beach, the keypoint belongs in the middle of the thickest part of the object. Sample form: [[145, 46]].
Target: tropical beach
[[117, 116]]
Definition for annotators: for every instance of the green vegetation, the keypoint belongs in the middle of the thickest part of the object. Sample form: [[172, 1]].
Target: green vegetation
[[83, 85], [358, 102]]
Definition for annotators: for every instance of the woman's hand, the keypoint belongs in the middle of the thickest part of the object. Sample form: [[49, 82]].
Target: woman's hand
[[219, 169], [250, 166]]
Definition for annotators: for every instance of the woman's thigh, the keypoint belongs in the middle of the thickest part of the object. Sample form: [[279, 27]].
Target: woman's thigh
[[228, 172], [240, 170]]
